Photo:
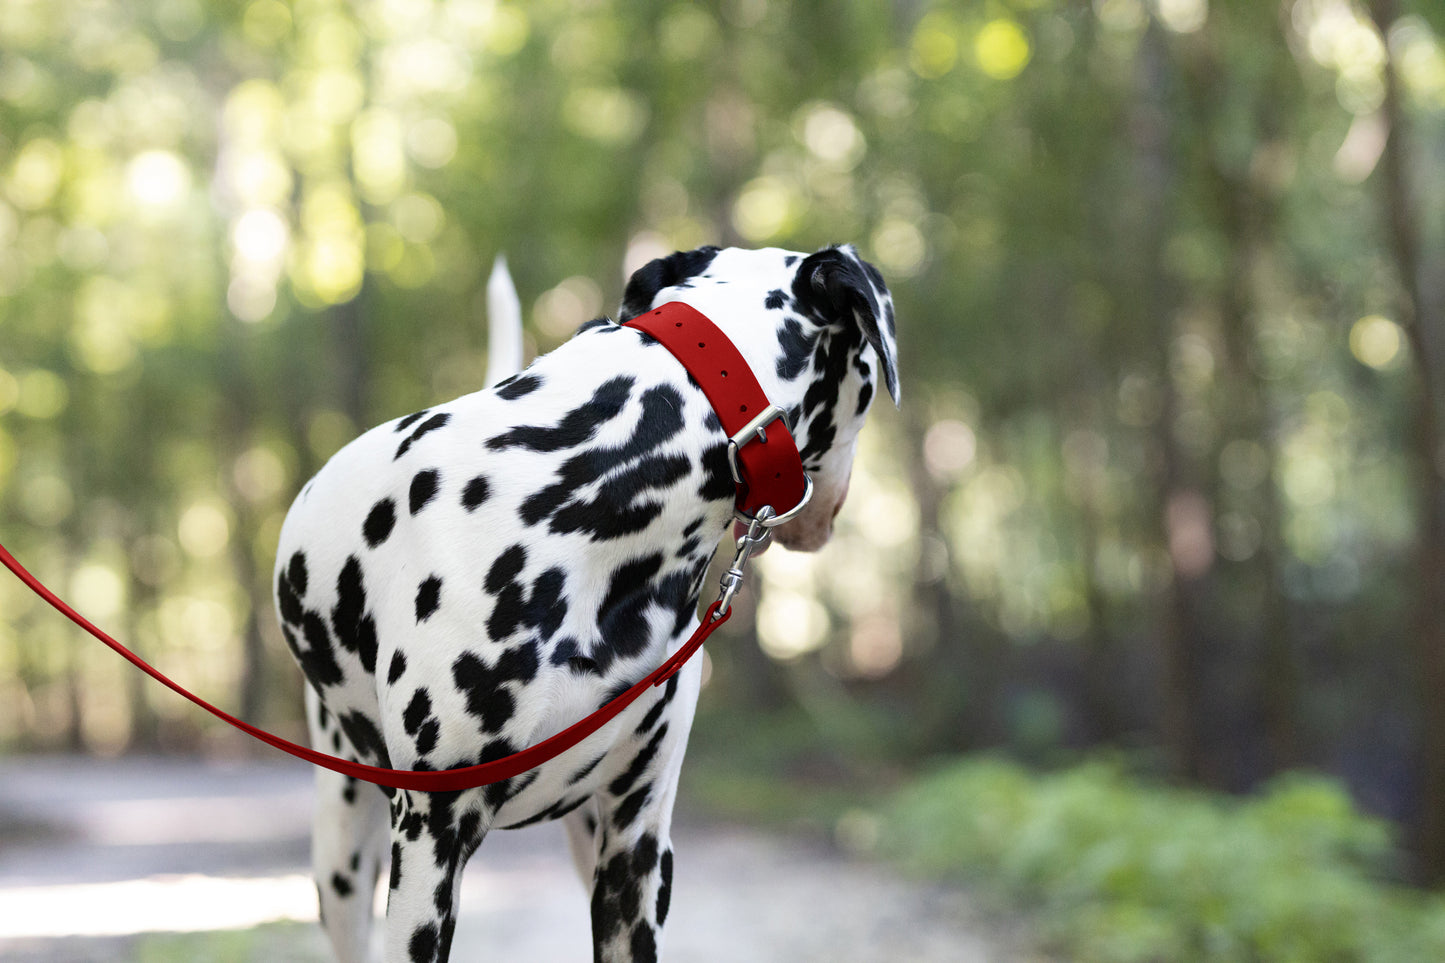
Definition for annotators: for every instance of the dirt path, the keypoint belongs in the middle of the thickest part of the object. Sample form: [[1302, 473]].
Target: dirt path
[[98, 858]]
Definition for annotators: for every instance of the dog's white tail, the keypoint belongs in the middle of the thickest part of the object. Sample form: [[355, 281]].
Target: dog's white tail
[[504, 324]]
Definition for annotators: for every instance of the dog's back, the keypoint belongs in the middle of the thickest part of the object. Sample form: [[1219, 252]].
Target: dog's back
[[445, 560]]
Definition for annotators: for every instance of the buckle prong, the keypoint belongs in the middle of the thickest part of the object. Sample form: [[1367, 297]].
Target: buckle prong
[[757, 428]]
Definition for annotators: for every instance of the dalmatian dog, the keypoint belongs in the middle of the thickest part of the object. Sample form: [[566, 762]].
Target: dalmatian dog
[[460, 583]]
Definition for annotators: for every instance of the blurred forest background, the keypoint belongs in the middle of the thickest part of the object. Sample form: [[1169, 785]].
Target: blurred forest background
[[1170, 274]]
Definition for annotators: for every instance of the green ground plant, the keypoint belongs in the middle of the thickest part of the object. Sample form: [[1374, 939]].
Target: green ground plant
[[1120, 870]]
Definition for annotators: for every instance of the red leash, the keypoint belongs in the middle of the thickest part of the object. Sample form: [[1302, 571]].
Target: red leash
[[678, 327], [426, 781]]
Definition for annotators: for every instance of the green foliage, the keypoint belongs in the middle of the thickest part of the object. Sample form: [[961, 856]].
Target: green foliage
[[1119, 870]]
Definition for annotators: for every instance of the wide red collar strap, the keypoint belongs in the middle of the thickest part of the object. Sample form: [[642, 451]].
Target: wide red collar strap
[[762, 454]]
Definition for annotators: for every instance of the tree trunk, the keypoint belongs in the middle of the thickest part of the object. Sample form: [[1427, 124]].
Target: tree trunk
[[1247, 217], [1422, 319], [1179, 502]]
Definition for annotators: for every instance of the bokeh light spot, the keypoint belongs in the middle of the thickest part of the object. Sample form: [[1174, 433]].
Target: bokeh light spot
[[831, 135], [875, 647], [934, 50], [790, 624], [35, 174], [157, 178], [765, 209], [432, 142], [1375, 341], [1182, 16], [1001, 49], [42, 394], [558, 312], [899, 247], [608, 115], [98, 591], [949, 447], [265, 22], [260, 236], [204, 529], [418, 217], [46, 499]]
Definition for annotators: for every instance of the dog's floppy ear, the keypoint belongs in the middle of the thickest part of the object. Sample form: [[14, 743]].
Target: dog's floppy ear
[[665, 272], [836, 286]]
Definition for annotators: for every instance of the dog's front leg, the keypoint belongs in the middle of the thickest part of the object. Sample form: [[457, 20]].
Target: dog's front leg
[[632, 884], [631, 892], [429, 849]]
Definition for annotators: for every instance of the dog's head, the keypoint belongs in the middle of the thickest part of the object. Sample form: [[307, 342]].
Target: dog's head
[[817, 330]]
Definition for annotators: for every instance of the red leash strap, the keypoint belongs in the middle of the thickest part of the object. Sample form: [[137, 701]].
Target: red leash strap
[[445, 780], [768, 472]]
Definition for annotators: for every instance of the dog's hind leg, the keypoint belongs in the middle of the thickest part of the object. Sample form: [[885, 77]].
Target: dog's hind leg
[[348, 845]]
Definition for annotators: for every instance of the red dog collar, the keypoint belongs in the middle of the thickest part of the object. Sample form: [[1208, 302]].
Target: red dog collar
[[761, 451]]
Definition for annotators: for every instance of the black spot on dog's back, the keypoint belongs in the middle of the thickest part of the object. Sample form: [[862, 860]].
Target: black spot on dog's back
[[629, 469], [428, 596], [576, 427], [475, 492], [605, 323], [354, 628], [411, 419], [379, 522], [416, 711], [423, 488], [507, 567], [431, 424], [518, 386], [296, 572]]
